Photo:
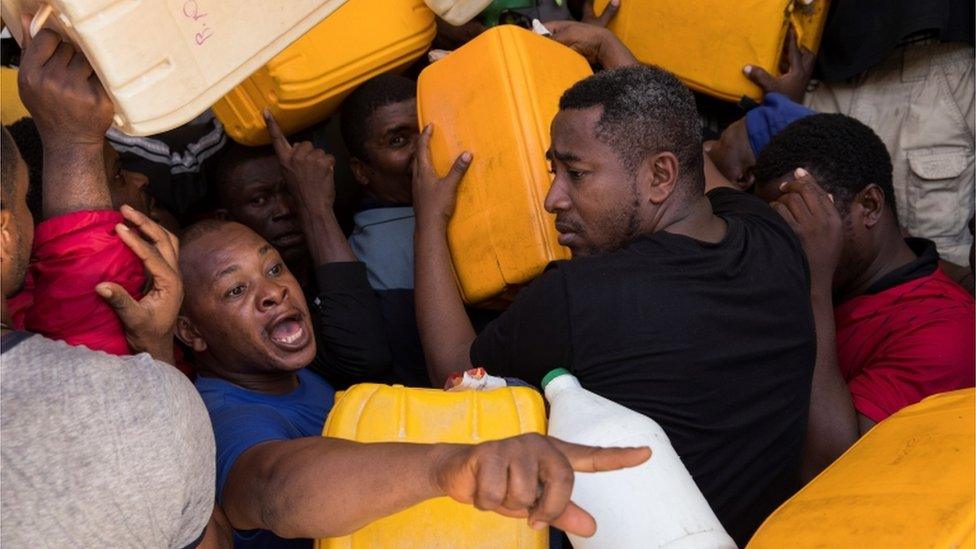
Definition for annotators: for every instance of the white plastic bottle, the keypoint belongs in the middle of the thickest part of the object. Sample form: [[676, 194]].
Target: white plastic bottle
[[656, 504]]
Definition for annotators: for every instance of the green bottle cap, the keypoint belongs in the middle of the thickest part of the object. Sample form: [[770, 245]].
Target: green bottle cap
[[553, 374]]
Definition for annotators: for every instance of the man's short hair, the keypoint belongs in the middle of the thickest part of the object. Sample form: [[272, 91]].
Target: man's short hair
[[645, 110], [28, 141], [228, 160], [377, 92], [844, 156], [8, 169]]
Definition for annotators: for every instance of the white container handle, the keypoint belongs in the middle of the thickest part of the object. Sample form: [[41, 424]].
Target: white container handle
[[39, 19]]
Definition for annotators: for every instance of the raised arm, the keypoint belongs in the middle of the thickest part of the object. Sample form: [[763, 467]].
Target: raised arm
[[833, 422], [354, 346], [445, 329], [72, 113], [323, 487]]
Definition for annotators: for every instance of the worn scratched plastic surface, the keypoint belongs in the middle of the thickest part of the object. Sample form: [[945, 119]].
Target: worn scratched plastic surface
[[307, 82], [384, 413], [707, 42], [909, 482], [163, 62], [496, 97]]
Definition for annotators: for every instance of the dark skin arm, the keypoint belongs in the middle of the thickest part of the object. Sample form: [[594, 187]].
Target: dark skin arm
[[445, 329], [833, 423], [323, 487], [591, 39], [308, 174], [796, 68], [72, 113]]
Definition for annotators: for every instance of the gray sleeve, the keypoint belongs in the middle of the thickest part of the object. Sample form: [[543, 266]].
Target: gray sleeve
[[192, 439]]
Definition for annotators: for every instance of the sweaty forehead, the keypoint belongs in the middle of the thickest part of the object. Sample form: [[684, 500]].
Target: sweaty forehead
[[227, 246]]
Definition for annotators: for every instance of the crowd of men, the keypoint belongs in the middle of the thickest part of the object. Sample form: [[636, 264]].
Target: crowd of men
[[767, 294]]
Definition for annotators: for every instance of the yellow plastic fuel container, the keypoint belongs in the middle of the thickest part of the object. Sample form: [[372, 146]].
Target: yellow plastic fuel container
[[908, 482], [12, 108], [383, 413], [706, 43], [496, 97], [306, 82], [164, 63]]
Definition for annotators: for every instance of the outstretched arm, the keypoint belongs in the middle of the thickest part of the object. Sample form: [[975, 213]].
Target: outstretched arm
[[325, 487]]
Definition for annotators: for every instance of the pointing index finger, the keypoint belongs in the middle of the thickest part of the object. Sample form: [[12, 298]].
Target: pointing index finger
[[278, 139], [590, 459]]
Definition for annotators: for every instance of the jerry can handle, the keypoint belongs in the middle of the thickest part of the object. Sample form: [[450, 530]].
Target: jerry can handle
[[39, 19]]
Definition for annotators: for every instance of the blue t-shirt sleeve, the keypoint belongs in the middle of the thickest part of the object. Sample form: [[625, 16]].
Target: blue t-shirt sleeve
[[240, 428]]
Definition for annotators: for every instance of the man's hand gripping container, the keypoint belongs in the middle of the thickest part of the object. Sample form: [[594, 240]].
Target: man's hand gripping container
[[496, 97], [163, 62], [383, 413], [308, 81], [706, 43]]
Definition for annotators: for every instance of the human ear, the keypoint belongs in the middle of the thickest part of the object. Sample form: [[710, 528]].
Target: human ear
[[189, 335], [360, 171], [658, 175], [871, 201]]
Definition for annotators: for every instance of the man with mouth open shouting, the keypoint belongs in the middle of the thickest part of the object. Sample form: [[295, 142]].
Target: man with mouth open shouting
[[245, 317], [285, 194]]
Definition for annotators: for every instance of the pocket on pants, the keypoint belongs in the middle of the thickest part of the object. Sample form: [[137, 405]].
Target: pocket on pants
[[936, 179]]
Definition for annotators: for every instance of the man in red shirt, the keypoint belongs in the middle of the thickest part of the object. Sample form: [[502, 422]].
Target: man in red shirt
[[904, 330]]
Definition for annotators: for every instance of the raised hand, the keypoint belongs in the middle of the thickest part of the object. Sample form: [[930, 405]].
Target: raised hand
[[796, 74], [435, 197], [530, 476], [62, 92], [590, 17], [595, 43], [810, 211], [149, 323], [308, 170]]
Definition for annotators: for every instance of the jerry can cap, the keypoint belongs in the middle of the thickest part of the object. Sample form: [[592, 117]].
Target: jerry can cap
[[553, 374]]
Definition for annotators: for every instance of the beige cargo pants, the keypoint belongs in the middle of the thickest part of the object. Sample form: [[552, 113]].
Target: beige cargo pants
[[920, 102]]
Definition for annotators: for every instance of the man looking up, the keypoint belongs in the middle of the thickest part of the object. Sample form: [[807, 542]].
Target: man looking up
[[98, 450], [688, 308], [246, 319], [892, 328], [285, 193]]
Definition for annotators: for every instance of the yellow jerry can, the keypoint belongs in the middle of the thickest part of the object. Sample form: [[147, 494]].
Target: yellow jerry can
[[496, 97], [306, 82], [908, 482], [706, 43], [382, 413], [12, 108]]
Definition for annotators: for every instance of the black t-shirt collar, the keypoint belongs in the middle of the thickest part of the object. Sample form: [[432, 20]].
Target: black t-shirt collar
[[925, 264]]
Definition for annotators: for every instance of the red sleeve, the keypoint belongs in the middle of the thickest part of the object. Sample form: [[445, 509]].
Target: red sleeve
[[72, 254], [918, 362]]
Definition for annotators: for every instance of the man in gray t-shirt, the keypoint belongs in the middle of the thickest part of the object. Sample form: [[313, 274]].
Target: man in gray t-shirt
[[100, 450], [97, 449]]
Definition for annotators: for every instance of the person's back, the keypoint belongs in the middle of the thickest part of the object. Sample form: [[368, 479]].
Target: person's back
[[86, 463], [714, 341]]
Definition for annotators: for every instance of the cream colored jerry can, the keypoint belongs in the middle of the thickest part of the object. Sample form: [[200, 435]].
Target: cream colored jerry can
[[163, 62]]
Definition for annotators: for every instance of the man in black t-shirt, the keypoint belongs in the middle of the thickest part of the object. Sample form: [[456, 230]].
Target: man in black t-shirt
[[691, 309]]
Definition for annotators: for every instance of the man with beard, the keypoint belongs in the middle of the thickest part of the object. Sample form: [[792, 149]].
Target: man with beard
[[692, 309]]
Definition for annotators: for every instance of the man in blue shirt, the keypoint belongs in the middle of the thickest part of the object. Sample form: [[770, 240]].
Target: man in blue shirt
[[247, 321]]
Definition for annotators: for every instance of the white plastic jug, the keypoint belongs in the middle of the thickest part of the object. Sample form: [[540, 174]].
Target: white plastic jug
[[163, 62], [657, 503], [457, 12]]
